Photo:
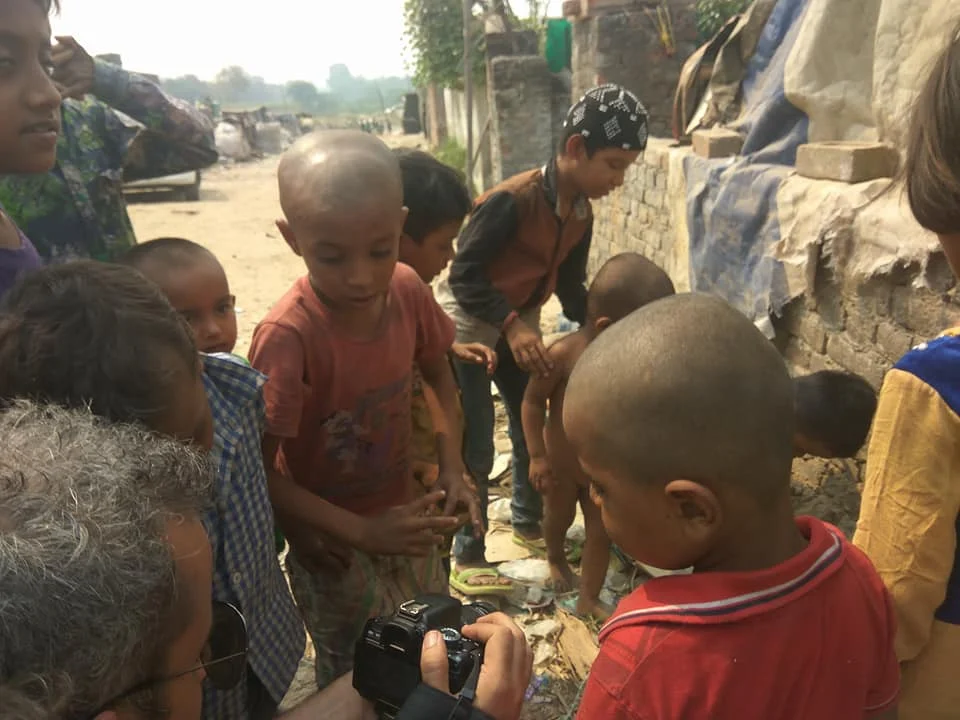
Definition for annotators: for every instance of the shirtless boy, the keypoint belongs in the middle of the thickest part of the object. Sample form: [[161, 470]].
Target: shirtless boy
[[625, 283]]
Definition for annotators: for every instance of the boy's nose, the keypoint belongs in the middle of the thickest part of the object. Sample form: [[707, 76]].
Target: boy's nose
[[42, 93]]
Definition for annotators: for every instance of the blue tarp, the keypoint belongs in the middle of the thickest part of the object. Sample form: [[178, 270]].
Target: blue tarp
[[732, 203]]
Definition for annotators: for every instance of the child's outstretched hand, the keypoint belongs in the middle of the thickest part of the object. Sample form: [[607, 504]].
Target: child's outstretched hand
[[405, 530], [477, 354], [460, 494], [541, 476]]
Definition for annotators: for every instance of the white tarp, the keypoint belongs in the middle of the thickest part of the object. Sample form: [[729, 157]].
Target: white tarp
[[854, 70]]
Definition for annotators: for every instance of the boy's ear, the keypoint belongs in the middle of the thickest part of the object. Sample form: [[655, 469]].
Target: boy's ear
[[575, 147], [284, 227], [601, 324], [697, 507]]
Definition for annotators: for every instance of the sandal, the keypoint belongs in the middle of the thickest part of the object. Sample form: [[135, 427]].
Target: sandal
[[539, 547], [495, 583]]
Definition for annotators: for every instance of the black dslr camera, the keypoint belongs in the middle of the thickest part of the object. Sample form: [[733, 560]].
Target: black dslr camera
[[387, 659]]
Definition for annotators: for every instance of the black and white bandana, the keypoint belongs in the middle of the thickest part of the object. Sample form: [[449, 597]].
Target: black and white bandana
[[609, 116]]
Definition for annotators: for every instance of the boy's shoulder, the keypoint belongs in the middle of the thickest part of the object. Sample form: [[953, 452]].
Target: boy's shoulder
[[295, 314], [699, 621], [520, 185], [567, 350], [935, 363], [232, 387]]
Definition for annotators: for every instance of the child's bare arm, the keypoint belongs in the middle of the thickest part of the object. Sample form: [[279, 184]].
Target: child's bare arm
[[439, 377], [533, 415], [405, 530]]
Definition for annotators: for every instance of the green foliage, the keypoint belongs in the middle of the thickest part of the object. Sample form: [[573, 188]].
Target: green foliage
[[713, 15], [453, 154], [434, 37]]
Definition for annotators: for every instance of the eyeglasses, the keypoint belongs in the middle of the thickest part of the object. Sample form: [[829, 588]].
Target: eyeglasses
[[224, 656]]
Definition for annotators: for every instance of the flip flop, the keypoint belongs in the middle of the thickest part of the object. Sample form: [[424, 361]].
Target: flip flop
[[539, 547], [460, 581]]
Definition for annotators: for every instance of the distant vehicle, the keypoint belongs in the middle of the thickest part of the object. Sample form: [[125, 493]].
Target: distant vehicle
[[184, 186], [411, 114]]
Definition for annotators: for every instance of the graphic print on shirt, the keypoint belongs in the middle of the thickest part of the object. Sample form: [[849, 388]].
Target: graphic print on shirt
[[368, 444]]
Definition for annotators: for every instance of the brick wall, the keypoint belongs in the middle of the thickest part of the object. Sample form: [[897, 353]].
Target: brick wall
[[861, 325], [521, 99], [622, 45]]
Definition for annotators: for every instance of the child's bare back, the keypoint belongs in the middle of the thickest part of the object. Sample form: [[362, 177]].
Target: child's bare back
[[563, 462]]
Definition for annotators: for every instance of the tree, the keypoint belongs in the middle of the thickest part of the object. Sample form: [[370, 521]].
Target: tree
[[233, 81], [303, 94], [712, 15], [187, 87], [340, 80], [434, 35]]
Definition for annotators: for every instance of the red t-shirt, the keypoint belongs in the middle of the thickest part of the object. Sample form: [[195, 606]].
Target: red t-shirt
[[343, 406], [809, 639]]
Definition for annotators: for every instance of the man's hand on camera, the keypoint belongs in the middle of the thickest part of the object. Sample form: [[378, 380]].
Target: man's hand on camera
[[506, 669]]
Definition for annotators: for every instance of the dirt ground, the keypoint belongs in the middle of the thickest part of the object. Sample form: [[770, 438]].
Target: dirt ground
[[235, 219]]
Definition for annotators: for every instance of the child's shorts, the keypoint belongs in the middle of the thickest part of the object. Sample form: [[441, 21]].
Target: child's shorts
[[335, 607]]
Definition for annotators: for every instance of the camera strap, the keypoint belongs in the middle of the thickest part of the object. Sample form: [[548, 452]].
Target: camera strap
[[463, 710]]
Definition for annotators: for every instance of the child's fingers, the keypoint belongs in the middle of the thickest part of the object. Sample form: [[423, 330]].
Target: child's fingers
[[421, 505]]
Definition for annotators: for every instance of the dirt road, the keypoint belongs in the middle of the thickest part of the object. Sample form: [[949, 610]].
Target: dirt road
[[235, 219]]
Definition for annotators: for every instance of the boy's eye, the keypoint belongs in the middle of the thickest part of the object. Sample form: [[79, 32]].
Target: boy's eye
[[381, 253]]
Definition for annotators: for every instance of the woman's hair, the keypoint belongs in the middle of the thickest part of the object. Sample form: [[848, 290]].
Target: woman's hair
[[89, 334], [932, 166]]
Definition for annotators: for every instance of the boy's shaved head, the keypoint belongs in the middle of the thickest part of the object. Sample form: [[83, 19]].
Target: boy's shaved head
[[685, 388], [165, 254], [338, 169], [624, 283]]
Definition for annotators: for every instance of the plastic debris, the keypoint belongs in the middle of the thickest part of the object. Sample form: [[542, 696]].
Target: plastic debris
[[499, 511]]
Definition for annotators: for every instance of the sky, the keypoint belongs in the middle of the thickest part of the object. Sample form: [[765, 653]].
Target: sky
[[278, 40]]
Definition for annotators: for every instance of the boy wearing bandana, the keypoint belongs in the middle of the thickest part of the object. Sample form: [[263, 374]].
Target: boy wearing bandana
[[526, 239]]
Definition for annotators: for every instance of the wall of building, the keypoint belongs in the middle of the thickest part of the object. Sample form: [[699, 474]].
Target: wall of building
[[455, 108], [859, 324], [623, 45], [521, 96]]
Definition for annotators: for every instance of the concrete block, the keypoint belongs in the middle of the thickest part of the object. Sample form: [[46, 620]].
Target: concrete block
[[919, 310], [654, 198], [851, 162], [893, 340], [809, 328], [570, 8], [717, 142], [797, 354], [863, 361], [861, 328]]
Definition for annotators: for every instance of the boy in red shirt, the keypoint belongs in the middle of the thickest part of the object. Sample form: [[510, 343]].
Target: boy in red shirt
[[682, 416], [338, 350]]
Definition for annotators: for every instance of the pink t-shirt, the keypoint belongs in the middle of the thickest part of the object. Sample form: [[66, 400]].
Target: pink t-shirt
[[343, 406]]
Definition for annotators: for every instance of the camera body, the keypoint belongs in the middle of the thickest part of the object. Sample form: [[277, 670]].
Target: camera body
[[387, 657]]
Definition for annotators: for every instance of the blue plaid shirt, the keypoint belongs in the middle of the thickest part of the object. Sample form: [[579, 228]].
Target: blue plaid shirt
[[246, 569]]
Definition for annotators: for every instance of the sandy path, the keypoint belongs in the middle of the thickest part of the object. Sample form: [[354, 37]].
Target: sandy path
[[235, 220]]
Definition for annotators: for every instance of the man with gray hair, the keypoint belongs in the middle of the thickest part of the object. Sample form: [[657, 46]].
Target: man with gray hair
[[105, 567], [106, 570]]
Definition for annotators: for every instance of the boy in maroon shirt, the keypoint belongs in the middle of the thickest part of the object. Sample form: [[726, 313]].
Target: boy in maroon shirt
[[682, 416], [338, 350]]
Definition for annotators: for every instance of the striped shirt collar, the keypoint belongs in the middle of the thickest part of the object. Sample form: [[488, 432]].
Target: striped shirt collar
[[713, 598]]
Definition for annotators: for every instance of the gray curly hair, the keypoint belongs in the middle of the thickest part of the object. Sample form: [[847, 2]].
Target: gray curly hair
[[89, 599]]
